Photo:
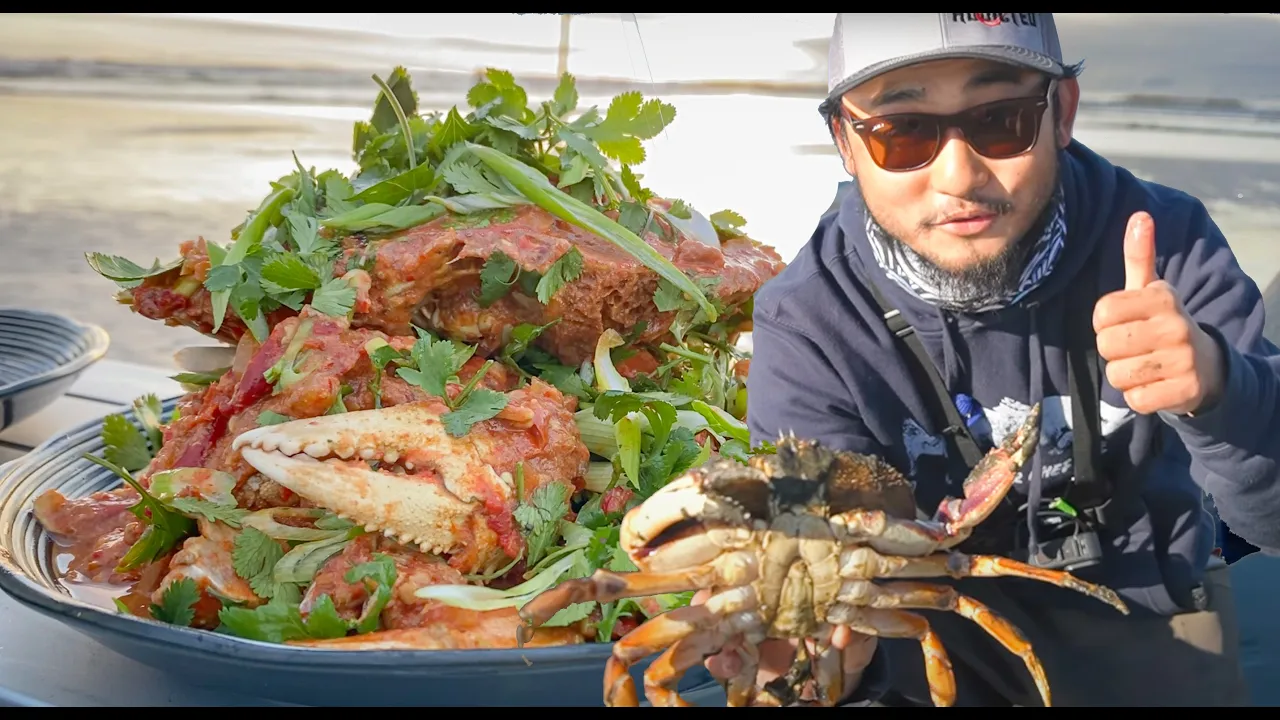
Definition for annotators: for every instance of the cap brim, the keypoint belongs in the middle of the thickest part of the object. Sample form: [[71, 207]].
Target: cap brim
[[1008, 54]]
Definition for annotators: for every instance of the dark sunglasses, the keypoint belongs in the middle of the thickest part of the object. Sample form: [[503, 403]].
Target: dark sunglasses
[[909, 141]]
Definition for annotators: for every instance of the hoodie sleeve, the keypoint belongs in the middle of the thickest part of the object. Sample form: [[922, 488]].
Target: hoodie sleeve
[[793, 387], [1234, 445]]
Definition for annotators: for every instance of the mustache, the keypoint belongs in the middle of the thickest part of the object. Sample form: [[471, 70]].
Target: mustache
[[972, 205]]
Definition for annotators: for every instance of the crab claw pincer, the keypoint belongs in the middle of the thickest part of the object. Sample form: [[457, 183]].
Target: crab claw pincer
[[429, 489]]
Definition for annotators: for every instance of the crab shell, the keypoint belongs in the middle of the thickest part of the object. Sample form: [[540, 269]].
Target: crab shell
[[438, 503], [682, 526]]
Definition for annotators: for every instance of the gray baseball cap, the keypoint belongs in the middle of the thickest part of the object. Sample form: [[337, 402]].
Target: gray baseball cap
[[864, 45]]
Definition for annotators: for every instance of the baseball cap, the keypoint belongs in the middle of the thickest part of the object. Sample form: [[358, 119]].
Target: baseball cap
[[864, 45]]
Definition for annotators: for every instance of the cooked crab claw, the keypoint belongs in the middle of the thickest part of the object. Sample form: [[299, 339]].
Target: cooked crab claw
[[394, 470]]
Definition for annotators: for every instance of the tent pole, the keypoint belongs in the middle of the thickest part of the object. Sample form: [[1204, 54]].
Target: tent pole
[[562, 65]]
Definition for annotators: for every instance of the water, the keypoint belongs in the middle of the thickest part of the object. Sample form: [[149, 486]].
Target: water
[[128, 134]]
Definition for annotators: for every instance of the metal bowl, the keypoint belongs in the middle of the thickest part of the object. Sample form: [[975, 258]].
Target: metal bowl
[[41, 355], [556, 676]]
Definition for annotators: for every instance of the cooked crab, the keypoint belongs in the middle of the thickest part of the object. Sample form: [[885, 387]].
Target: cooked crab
[[789, 547], [447, 495]]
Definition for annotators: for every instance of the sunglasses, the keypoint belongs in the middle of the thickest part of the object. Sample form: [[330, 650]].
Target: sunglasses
[[909, 141]]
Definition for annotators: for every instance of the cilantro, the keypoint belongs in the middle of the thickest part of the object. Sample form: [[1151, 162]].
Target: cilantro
[[481, 404], [564, 270], [177, 603], [496, 278], [539, 520], [335, 297], [213, 512], [436, 363], [500, 273], [279, 621], [165, 528], [269, 417], [124, 444], [126, 272], [254, 558], [379, 578], [728, 222]]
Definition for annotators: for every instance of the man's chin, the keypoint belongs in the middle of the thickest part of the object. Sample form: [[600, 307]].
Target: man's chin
[[956, 254]]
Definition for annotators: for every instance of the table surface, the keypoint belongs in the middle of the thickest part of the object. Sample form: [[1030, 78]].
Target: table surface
[[46, 663]]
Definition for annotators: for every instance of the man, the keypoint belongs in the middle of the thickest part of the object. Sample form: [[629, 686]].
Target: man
[[1029, 270]]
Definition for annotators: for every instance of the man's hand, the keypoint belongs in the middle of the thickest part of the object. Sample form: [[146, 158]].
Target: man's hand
[[1156, 354], [776, 655]]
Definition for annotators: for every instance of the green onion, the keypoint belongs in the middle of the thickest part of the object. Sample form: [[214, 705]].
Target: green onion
[[476, 597], [599, 476], [535, 186]]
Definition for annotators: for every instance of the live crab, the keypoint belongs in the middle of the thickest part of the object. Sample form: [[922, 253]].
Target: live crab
[[790, 546]]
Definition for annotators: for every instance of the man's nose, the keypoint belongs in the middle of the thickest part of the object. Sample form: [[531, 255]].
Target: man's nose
[[958, 170]]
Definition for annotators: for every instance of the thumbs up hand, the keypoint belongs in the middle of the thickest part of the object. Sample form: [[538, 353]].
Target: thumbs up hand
[[1156, 354]]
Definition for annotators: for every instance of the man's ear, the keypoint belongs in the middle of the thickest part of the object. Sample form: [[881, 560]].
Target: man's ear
[[1068, 94], [842, 145]]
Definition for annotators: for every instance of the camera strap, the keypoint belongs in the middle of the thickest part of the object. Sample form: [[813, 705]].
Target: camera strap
[[1084, 372]]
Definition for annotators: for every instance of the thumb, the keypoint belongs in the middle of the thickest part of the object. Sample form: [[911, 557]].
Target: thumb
[[1140, 252]]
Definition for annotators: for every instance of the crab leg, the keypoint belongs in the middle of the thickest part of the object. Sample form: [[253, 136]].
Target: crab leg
[[926, 596], [862, 563], [664, 673], [664, 631], [657, 634], [733, 569], [901, 624]]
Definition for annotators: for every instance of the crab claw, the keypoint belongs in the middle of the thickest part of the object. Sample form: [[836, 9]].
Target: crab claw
[[993, 476], [430, 489]]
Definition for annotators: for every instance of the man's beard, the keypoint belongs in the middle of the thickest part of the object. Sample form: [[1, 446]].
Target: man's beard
[[989, 278]]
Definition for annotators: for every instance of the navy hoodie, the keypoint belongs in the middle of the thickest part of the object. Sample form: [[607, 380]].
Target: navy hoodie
[[826, 367]]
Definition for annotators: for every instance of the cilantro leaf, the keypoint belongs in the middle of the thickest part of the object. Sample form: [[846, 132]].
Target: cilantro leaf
[[211, 511], [254, 557], [727, 222], [496, 277], [435, 364], [177, 603], [381, 574], [539, 518], [335, 297], [270, 417], [629, 120], [564, 270], [324, 621], [279, 621], [124, 444], [165, 528], [125, 271], [481, 404], [290, 272]]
